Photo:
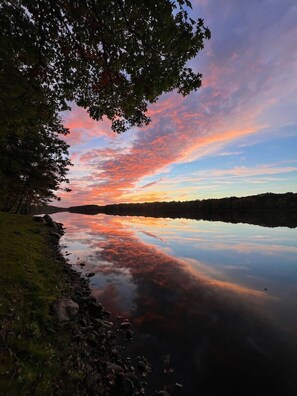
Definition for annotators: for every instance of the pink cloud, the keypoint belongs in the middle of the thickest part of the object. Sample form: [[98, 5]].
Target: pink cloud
[[83, 128], [151, 184], [245, 80]]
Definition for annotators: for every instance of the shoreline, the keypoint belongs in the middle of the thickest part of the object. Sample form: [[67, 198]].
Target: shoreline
[[55, 339], [99, 342], [267, 210]]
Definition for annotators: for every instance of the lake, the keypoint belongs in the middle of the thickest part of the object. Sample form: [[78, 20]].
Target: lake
[[213, 304]]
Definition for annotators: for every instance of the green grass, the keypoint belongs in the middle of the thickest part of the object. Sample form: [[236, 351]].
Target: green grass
[[32, 357]]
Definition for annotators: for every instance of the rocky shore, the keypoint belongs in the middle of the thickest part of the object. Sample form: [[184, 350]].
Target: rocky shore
[[99, 363]]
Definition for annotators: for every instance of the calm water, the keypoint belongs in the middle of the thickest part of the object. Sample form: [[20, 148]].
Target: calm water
[[214, 304]]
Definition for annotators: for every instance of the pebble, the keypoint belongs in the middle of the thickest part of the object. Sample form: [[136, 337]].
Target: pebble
[[94, 309], [83, 299], [179, 386], [114, 367], [125, 325], [106, 313], [128, 387], [83, 322], [141, 365], [92, 339]]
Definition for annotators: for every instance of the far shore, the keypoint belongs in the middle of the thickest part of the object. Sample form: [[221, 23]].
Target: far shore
[[268, 210]]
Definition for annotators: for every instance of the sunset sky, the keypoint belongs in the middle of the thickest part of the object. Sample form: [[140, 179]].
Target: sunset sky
[[235, 136]]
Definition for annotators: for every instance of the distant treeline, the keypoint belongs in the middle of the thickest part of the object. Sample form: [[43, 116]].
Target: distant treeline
[[268, 209]]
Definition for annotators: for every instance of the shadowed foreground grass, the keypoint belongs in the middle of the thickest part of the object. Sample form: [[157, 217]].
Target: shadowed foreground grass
[[33, 356]]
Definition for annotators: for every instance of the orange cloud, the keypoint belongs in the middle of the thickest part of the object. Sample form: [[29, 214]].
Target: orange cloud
[[241, 90], [83, 128]]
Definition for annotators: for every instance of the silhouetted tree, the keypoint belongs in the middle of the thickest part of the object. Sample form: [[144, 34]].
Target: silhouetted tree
[[32, 166], [112, 57]]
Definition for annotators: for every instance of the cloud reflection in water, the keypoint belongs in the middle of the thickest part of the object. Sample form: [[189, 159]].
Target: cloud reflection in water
[[214, 321]]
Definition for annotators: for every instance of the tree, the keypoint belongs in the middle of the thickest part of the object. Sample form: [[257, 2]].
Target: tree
[[32, 166], [112, 57]]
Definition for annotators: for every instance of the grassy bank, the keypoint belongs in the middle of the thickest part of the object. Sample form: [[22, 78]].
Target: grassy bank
[[41, 354], [33, 355]]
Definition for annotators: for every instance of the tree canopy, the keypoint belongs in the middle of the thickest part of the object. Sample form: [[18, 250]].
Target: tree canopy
[[32, 166], [112, 57]]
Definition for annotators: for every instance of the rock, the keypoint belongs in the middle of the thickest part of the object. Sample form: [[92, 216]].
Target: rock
[[125, 325], [55, 234], [127, 387], [83, 299], [114, 351], [65, 309], [178, 386], [51, 222], [116, 368], [106, 323], [90, 274], [92, 339], [106, 313], [78, 292], [163, 393], [38, 219], [141, 365], [132, 377], [47, 218], [95, 309], [129, 335], [89, 329]]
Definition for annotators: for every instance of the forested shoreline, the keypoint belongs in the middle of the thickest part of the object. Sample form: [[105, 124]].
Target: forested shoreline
[[268, 209]]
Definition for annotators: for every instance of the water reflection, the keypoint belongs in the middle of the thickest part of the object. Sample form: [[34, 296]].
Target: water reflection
[[219, 299]]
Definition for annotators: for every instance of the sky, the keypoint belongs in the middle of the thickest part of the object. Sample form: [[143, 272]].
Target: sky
[[235, 136]]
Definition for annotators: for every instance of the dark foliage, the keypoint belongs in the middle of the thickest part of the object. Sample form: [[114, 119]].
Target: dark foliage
[[112, 57], [32, 166], [264, 209]]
